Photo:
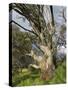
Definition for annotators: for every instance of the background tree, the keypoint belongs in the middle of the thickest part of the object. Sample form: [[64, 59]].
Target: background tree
[[21, 45]]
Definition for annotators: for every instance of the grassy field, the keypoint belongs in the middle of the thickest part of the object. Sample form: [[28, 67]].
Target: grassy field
[[32, 77]]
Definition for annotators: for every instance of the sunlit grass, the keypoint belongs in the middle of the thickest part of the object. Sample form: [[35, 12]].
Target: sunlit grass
[[32, 77]]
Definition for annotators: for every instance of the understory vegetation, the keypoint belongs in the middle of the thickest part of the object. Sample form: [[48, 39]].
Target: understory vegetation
[[29, 77]]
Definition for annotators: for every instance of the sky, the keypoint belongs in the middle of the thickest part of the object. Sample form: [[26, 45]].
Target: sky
[[18, 18], [57, 13]]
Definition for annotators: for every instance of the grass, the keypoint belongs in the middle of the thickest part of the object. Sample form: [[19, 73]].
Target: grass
[[32, 77]]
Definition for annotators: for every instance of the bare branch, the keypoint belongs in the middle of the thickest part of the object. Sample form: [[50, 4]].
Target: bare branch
[[23, 27], [63, 14]]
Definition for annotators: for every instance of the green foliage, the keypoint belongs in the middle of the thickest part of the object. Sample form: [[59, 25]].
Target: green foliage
[[21, 42], [32, 77], [21, 45]]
